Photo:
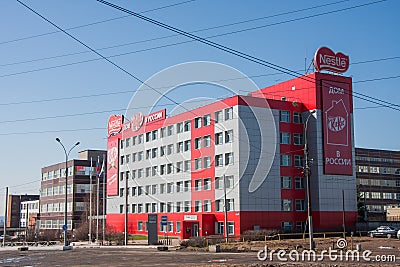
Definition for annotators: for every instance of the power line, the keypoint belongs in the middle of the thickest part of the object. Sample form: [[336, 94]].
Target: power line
[[174, 35], [247, 56], [94, 23]]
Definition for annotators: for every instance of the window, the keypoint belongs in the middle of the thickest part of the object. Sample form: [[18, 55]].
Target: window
[[229, 113], [286, 205], [197, 143], [298, 161], [299, 182], [187, 145], [127, 157], [187, 206], [207, 205], [287, 226], [286, 182], [186, 186], [179, 127], [170, 168], [197, 185], [207, 120], [140, 173], [218, 116], [122, 144], [122, 160], [148, 171], [127, 142], [170, 130], [207, 184], [197, 122], [154, 189], [286, 160], [148, 153], [178, 227], [197, 206], [148, 137], [179, 187], [179, 166], [228, 158], [179, 147], [162, 169], [197, 164], [298, 139], [231, 228], [147, 208], [178, 206], [163, 132], [140, 139], [170, 149], [186, 126], [153, 207], [219, 160], [162, 207], [121, 176], [219, 139], [140, 156], [207, 141], [154, 170], [154, 152], [297, 117], [230, 204], [162, 188], [134, 140], [300, 205], [170, 207], [219, 205], [121, 208], [284, 116], [186, 165], [228, 136], [207, 162], [134, 191], [170, 188], [285, 138], [219, 228], [140, 226], [170, 227], [162, 151], [154, 134]]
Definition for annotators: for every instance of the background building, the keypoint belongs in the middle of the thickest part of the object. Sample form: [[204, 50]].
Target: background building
[[252, 147], [29, 214], [14, 208], [52, 198], [378, 182]]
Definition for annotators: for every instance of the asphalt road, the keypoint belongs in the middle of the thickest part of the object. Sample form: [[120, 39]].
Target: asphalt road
[[134, 256]]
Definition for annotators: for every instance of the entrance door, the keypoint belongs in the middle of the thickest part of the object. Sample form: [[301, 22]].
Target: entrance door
[[195, 229]]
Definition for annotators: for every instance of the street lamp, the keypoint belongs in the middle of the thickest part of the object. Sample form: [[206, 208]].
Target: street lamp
[[307, 175], [65, 226]]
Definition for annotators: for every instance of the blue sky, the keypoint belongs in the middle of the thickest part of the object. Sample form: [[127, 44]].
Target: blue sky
[[33, 75]]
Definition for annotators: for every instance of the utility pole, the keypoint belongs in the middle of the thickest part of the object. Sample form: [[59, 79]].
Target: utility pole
[[344, 216], [90, 201], [5, 219], [226, 212], [307, 176], [126, 210], [104, 199], [97, 204]]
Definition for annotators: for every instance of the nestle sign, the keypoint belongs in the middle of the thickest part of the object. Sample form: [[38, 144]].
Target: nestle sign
[[326, 59], [115, 123]]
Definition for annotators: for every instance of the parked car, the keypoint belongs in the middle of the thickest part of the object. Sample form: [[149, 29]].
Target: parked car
[[398, 234], [384, 231]]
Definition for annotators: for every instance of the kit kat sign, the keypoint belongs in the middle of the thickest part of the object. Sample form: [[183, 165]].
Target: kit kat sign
[[115, 123], [337, 110], [326, 59]]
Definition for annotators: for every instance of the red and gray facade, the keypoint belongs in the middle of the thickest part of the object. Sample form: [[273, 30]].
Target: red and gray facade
[[252, 148]]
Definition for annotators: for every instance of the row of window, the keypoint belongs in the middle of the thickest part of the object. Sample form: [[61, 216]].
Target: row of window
[[183, 146], [286, 182], [180, 128], [380, 195], [286, 139], [181, 166], [287, 205], [180, 206], [178, 187], [30, 206], [284, 116], [60, 207], [286, 160], [379, 182], [378, 170], [219, 227], [56, 174], [374, 159], [58, 190], [54, 224]]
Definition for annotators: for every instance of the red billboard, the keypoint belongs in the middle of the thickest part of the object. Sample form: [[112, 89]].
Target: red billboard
[[337, 110], [115, 123], [326, 59], [112, 166]]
